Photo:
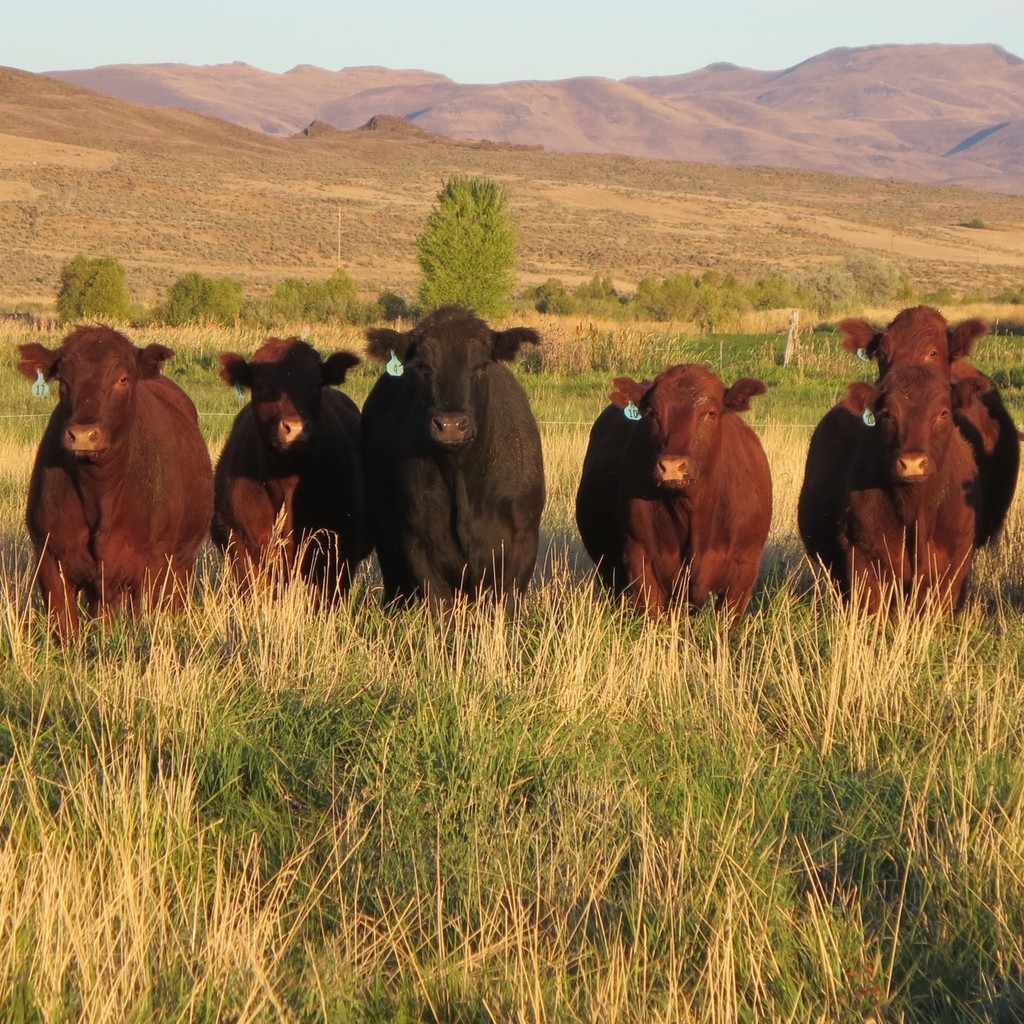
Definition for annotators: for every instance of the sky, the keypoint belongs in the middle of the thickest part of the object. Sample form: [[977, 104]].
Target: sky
[[472, 41]]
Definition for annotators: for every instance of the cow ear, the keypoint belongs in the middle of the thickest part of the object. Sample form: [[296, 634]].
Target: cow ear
[[336, 365], [860, 396], [628, 390], [861, 337], [963, 337], [35, 357], [152, 358], [737, 398], [235, 370], [382, 341], [506, 343]]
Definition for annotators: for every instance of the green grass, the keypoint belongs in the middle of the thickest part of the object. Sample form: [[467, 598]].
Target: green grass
[[559, 812]]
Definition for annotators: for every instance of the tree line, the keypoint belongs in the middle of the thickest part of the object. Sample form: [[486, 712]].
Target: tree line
[[466, 255]]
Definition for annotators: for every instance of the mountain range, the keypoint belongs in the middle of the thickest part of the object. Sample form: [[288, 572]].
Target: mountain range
[[935, 113]]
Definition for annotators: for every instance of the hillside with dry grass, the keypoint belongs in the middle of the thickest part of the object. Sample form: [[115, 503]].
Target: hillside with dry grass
[[943, 114], [168, 191]]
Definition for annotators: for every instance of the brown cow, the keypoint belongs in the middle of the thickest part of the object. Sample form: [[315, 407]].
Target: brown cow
[[676, 504], [921, 336], [890, 492], [122, 489], [289, 482]]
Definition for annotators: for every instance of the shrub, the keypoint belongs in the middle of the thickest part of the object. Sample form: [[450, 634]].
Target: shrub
[[295, 300], [550, 297], [829, 288], [195, 297], [93, 288], [878, 281], [674, 298], [774, 291]]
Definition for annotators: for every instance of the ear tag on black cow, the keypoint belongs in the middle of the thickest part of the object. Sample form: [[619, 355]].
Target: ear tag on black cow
[[631, 412], [863, 356], [868, 417], [395, 367], [40, 388]]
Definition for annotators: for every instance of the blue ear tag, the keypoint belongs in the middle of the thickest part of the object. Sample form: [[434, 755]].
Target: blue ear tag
[[240, 391], [631, 412], [395, 367], [863, 356], [40, 388], [868, 417]]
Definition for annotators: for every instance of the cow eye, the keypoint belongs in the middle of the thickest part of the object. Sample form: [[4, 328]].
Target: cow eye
[[122, 381], [944, 414]]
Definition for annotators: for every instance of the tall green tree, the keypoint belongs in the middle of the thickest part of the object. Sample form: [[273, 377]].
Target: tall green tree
[[467, 251], [93, 288]]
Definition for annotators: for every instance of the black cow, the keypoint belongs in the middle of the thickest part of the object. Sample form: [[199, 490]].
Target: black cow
[[289, 485], [452, 457]]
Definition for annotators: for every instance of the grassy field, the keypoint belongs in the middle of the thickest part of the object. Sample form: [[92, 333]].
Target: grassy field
[[258, 812]]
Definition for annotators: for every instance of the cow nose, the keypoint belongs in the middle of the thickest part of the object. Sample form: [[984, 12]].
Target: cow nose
[[83, 437], [290, 429], [913, 465], [675, 469], [450, 427]]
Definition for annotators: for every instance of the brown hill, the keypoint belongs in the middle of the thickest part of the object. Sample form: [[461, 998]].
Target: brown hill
[[169, 191], [908, 112]]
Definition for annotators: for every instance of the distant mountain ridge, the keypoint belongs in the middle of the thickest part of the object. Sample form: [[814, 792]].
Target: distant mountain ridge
[[934, 113]]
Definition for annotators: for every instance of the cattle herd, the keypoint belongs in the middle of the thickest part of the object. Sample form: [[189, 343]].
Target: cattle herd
[[441, 473]]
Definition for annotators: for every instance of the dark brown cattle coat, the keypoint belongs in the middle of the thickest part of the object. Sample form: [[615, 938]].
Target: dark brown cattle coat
[[892, 506], [122, 488], [289, 482], [452, 456], [678, 504], [921, 336]]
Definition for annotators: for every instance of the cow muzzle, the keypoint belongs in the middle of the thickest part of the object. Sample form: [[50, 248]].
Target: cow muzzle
[[292, 430], [675, 471], [914, 466], [85, 439], [451, 429]]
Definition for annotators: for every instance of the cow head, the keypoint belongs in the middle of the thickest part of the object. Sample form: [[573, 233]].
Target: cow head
[[912, 411], [918, 336], [451, 354], [284, 379], [681, 413], [97, 369]]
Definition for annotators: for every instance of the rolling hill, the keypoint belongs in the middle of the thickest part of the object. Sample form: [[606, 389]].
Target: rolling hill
[[929, 113], [168, 191]]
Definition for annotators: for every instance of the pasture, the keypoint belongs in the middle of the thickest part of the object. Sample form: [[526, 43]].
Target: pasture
[[558, 812]]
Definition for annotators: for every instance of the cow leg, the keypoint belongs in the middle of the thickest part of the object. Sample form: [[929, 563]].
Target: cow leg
[[866, 584], [60, 598], [511, 566], [644, 588], [427, 569], [322, 568], [943, 576], [245, 561], [176, 588]]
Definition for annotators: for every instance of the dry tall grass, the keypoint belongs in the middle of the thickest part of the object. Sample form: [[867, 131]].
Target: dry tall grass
[[259, 811]]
